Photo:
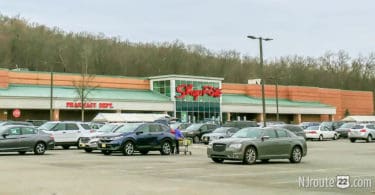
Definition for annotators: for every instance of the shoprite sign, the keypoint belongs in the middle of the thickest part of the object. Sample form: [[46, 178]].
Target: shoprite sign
[[187, 89], [94, 105]]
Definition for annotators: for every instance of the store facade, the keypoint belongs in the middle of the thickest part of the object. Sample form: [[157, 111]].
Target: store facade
[[189, 98]]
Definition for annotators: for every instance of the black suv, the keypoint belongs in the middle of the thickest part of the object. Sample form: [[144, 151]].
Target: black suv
[[142, 137], [195, 131]]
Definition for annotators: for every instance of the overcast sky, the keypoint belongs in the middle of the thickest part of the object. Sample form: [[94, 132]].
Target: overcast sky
[[307, 28]]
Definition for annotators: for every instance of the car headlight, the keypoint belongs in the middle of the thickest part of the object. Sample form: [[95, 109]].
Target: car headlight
[[235, 146], [209, 145], [116, 138]]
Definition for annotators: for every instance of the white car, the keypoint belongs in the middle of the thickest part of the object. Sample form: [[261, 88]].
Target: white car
[[362, 131], [320, 132], [90, 142], [67, 133]]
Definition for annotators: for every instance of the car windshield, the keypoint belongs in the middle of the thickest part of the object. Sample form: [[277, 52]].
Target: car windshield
[[248, 133], [47, 126], [312, 128], [220, 130], [107, 128], [194, 127], [128, 127], [347, 125]]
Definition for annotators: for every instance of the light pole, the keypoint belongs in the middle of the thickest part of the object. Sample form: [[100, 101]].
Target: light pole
[[261, 39]]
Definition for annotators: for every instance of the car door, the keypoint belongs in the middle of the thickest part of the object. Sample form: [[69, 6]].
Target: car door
[[326, 132], [371, 129], [59, 132], [72, 132], [284, 142], [268, 147], [155, 133], [10, 139], [28, 137], [142, 136]]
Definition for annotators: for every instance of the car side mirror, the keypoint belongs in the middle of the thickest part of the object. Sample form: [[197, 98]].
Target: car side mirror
[[5, 135], [266, 137], [139, 132]]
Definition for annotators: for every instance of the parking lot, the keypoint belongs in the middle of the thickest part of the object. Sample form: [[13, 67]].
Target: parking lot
[[76, 172]]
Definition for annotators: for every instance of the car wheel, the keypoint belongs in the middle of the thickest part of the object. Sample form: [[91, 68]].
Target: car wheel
[[88, 150], [296, 155], [335, 137], [78, 143], [369, 138], [196, 139], [352, 140], [65, 147], [106, 152], [250, 155], [265, 160], [166, 148], [128, 148], [320, 137], [40, 148], [144, 152], [22, 152], [218, 160]]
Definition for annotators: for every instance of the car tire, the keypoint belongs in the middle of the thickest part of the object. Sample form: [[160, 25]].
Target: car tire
[[39, 148], [106, 152], [166, 148], [128, 148], [335, 137], [78, 143], [22, 152], [296, 155], [196, 139], [352, 140], [320, 137], [218, 160], [369, 138], [250, 155], [65, 147], [88, 150], [144, 152]]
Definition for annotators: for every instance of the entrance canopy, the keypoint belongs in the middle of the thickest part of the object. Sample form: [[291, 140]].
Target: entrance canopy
[[128, 117]]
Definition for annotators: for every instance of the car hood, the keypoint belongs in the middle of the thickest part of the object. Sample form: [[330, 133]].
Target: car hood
[[234, 140], [214, 134], [115, 134]]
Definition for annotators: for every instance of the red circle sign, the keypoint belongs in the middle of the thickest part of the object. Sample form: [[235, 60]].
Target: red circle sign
[[16, 113]]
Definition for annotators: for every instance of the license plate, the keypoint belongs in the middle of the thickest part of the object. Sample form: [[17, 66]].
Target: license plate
[[103, 145]]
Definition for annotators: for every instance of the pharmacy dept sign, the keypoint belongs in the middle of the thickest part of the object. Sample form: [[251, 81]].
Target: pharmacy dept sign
[[92, 105], [187, 89]]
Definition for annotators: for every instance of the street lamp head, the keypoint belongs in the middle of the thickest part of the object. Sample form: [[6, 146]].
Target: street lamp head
[[267, 39], [251, 37]]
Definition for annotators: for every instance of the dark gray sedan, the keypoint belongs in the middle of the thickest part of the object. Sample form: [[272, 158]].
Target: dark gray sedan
[[255, 143], [22, 139]]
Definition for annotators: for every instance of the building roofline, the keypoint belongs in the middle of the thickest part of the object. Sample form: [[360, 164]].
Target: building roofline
[[185, 77]]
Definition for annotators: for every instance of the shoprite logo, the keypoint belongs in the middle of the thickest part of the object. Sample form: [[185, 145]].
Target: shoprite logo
[[187, 89]]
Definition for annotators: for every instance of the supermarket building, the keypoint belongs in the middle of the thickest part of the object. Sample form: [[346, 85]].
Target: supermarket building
[[27, 95]]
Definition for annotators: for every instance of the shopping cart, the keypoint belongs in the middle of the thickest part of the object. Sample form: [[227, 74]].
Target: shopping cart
[[185, 143]]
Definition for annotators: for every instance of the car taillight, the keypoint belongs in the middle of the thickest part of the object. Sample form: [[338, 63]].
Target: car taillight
[[312, 132], [363, 131]]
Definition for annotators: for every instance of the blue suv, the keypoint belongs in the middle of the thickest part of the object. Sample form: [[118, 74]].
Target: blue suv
[[142, 137]]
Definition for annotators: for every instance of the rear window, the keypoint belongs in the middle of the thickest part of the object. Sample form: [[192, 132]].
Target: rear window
[[85, 126], [358, 127]]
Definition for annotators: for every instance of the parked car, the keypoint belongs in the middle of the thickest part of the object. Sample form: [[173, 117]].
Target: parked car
[[195, 131], [240, 124], [142, 137], [255, 143], [22, 139], [296, 129], [89, 142], [67, 133], [320, 133], [37, 123], [270, 123], [362, 132], [344, 129], [5, 123], [304, 125], [332, 125], [180, 126], [219, 133]]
